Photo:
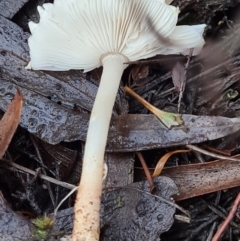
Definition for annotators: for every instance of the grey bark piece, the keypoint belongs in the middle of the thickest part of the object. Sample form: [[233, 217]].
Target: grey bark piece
[[13, 227], [132, 215], [8, 8], [120, 169], [127, 214], [53, 123], [66, 88], [6, 237], [42, 117], [139, 132]]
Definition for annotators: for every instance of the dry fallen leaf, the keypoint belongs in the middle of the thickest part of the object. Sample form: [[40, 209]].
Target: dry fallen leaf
[[9, 122], [168, 1], [163, 160], [139, 72], [201, 178], [178, 75]]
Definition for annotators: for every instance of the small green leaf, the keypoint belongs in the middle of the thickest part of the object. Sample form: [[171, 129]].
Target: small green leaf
[[168, 119]]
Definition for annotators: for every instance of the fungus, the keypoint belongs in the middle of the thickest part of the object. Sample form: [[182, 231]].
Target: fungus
[[86, 34]]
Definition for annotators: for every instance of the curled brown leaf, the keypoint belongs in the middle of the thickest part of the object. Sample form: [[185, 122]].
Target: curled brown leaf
[[9, 122], [161, 163]]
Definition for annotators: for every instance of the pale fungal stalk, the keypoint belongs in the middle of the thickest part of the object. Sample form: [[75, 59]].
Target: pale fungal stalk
[[90, 189], [85, 34]]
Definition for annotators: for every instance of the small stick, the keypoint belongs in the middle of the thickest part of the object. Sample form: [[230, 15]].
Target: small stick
[[64, 199], [44, 171], [195, 148], [139, 98], [228, 219], [13, 167], [146, 170], [183, 83], [221, 152]]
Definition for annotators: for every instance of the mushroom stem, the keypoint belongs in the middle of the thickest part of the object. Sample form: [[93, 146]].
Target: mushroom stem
[[87, 206]]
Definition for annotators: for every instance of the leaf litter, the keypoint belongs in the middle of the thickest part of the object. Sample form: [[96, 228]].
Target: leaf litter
[[125, 135]]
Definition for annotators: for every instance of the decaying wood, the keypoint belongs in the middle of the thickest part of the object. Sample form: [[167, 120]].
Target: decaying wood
[[197, 179]]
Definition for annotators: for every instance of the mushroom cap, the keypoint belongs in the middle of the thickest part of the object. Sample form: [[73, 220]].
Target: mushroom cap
[[74, 34]]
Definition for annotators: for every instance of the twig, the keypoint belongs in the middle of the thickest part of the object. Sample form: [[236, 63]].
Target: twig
[[221, 214], [228, 219], [183, 82], [212, 229], [44, 171], [67, 196], [146, 170], [166, 92], [182, 218], [195, 148], [214, 225], [17, 167], [183, 17], [196, 231], [221, 152]]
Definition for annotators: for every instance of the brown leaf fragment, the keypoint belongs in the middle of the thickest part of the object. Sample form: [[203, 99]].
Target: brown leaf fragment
[[161, 163], [202, 178], [139, 72], [198, 179], [9, 122]]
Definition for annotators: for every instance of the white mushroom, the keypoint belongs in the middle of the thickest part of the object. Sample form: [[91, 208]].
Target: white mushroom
[[85, 34]]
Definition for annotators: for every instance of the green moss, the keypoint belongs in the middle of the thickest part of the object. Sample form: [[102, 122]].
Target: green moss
[[43, 227]]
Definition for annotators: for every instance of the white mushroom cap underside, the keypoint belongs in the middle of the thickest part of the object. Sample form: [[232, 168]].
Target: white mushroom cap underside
[[74, 34]]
